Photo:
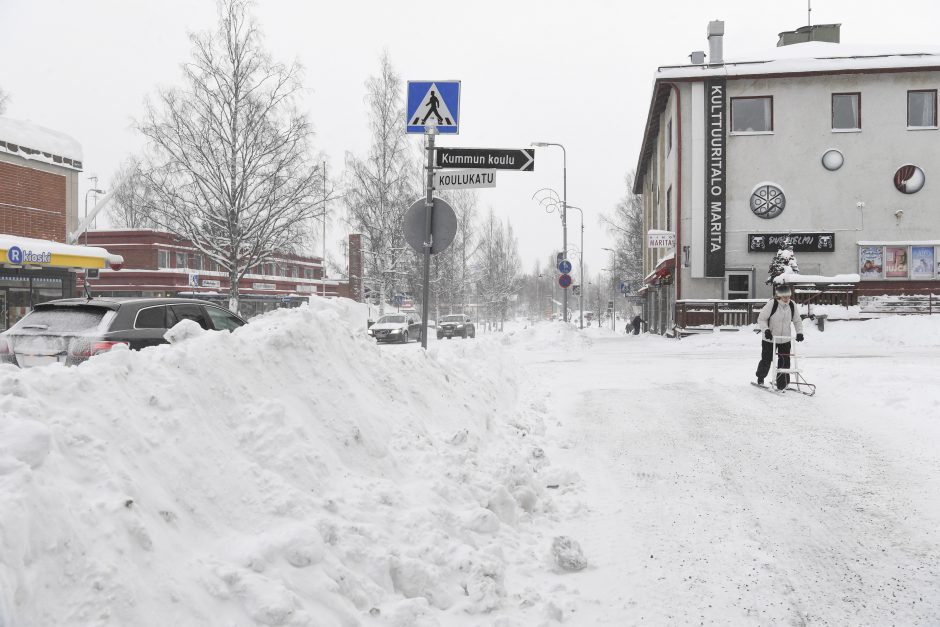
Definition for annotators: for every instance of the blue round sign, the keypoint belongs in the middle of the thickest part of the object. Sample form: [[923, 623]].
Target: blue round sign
[[15, 255], [564, 280], [564, 266]]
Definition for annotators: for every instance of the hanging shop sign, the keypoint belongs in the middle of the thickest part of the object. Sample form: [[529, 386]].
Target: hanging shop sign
[[660, 239]]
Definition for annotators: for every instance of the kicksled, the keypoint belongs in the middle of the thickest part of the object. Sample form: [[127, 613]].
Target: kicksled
[[792, 376]]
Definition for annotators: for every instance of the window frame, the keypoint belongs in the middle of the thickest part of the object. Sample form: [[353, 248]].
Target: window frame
[[143, 309], [185, 258], [908, 109], [858, 116], [731, 115], [166, 255]]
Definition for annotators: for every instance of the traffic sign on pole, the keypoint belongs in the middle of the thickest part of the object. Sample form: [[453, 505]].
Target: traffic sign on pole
[[433, 103], [464, 179], [564, 266], [521, 159], [564, 280]]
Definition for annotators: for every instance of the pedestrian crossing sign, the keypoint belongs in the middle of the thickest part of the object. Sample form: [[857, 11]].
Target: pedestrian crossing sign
[[433, 103]]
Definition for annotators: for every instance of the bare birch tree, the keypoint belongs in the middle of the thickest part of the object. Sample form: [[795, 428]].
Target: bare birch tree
[[380, 187], [229, 166], [498, 266], [131, 205], [625, 224], [4, 99]]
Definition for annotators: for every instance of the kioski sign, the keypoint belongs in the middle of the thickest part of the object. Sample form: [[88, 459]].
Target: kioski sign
[[715, 177]]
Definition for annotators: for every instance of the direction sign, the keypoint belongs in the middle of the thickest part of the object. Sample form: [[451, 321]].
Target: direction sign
[[464, 179], [433, 103], [521, 159], [564, 280], [564, 266]]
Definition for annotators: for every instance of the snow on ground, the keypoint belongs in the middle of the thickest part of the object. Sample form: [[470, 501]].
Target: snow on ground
[[294, 473]]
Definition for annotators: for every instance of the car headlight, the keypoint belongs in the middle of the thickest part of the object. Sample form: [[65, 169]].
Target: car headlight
[[395, 331], [459, 326]]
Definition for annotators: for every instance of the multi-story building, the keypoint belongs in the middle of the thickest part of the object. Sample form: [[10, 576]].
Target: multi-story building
[[832, 145], [39, 170], [157, 263]]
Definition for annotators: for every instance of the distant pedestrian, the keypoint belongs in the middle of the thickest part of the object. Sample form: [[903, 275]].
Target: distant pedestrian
[[637, 320], [774, 320]]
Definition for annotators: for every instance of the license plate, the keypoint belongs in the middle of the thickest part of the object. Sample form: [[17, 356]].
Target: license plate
[[33, 361]]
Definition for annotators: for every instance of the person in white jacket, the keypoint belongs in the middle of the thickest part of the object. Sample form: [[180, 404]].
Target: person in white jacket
[[774, 320]]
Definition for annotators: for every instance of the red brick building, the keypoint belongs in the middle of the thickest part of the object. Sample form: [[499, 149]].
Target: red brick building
[[39, 171], [157, 263]]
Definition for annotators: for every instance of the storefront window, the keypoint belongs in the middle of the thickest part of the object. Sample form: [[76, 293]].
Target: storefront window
[[45, 290], [16, 295]]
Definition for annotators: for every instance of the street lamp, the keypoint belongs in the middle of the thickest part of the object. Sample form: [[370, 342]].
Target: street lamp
[[613, 302], [615, 276], [90, 191], [564, 212], [581, 269], [538, 304]]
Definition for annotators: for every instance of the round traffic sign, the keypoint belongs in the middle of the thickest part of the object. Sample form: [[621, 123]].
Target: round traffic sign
[[564, 266], [443, 225], [564, 280]]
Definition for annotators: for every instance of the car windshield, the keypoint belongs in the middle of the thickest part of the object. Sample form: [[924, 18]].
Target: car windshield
[[453, 319], [62, 320], [391, 320]]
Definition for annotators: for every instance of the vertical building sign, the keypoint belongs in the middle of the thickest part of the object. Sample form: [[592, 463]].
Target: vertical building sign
[[715, 177]]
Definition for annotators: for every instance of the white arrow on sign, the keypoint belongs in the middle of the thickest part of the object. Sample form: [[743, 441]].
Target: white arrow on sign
[[464, 179]]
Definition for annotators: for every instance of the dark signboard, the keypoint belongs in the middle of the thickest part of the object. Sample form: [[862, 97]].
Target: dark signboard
[[522, 159], [802, 242], [715, 177]]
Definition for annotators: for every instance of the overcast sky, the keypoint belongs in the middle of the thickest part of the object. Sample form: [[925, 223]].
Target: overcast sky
[[576, 73]]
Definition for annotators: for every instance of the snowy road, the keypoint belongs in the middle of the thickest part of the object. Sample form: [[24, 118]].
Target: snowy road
[[705, 500]]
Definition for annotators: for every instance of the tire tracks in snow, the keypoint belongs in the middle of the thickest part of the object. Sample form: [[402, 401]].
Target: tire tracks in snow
[[717, 504]]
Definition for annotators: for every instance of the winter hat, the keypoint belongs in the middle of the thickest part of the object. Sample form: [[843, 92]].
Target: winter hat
[[782, 290]]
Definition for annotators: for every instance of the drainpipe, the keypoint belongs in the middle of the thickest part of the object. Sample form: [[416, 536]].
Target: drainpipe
[[675, 313]]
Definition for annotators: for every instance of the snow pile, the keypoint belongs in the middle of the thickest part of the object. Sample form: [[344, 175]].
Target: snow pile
[[290, 473]]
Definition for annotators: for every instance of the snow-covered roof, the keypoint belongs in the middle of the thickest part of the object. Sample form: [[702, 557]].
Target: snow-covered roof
[[793, 278], [811, 57], [32, 141], [814, 57]]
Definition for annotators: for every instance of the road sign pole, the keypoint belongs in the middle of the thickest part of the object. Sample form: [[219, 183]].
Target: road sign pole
[[564, 221], [429, 203]]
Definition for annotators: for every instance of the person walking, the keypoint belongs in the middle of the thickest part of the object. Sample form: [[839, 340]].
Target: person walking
[[636, 324], [774, 320]]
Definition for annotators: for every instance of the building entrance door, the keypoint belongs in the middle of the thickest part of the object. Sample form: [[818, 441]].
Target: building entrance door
[[738, 285]]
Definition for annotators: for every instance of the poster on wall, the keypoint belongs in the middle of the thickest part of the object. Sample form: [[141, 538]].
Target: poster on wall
[[896, 262], [922, 262], [870, 262]]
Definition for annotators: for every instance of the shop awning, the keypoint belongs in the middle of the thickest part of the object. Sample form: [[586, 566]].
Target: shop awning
[[25, 251], [666, 265]]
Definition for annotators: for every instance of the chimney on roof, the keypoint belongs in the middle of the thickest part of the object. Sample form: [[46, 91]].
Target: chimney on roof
[[716, 31], [697, 57], [815, 32]]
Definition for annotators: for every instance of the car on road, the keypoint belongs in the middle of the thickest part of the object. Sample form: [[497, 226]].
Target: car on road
[[71, 330], [398, 327], [456, 325]]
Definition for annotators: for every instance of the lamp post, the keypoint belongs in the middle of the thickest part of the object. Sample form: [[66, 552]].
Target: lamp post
[[613, 277], [538, 301], [564, 213], [581, 269], [90, 191]]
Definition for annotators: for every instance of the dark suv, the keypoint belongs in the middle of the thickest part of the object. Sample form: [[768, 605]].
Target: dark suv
[[454, 325], [71, 330]]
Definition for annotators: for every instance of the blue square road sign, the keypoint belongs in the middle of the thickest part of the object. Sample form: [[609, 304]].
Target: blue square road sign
[[433, 103]]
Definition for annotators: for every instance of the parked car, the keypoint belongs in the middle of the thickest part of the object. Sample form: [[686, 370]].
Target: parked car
[[454, 325], [71, 330], [398, 327]]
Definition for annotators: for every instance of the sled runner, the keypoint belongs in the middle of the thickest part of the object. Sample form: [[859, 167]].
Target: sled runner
[[797, 382]]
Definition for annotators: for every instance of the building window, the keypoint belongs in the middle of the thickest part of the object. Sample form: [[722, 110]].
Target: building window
[[308, 273], [197, 262], [846, 112], [163, 259], [669, 209], [922, 108], [668, 137], [752, 114], [181, 259]]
